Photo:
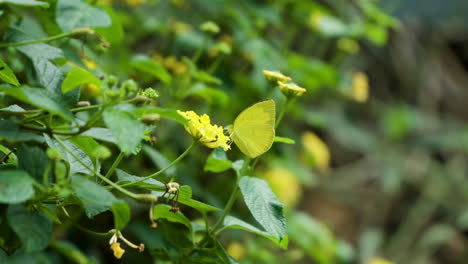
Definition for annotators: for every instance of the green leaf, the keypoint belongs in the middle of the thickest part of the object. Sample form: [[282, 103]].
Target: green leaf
[[49, 75], [331, 26], [50, 210], [151, 67], [163, 211], [10, 131], [205, 77], [71, 14], [15, 186], [163, 112], [70, 251], [264, 205], [6, 74], [75, 165], [33, 160], [237, 166], [149, 184], [100, 133], [11, 159], [115, 33], [33, 228], [313, 237], [95, 198], [12, 109], [77, 77], [87, 144], [176, 234], [159, 160], [211, 95], [25, 3], [40, 98], [217, 161], [284, 140], [185, 197], [126, 128], [122, 215], [233, 222]]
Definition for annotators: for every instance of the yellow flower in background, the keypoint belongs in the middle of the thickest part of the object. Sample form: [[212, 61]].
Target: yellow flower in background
[[284, 184], [360, 87], [276, 76], [379, 261], [89, 90], [200, 127], [118, 251], [236, 250], [291, 89], [318, 149], [89, 63], [134, 3]]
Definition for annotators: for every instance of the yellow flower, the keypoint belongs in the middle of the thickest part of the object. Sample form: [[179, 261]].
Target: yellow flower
[[318, 149], [118, 251], [379, 261], [360, 87], [284, 184], [291, 89], [90, 89], [276, 76], [89, 63], [236, 250], [200, 127]]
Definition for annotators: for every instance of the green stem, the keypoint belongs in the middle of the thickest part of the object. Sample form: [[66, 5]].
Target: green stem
[[83, 228], [56, 37], [114, 165], [194, 143], [111, 183], [228, 207], [283, 111]]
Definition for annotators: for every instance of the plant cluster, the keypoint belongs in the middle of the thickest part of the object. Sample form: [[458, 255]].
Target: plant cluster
[[103, 153]]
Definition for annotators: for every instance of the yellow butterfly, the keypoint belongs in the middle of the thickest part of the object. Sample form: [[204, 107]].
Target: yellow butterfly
[[253, 130]]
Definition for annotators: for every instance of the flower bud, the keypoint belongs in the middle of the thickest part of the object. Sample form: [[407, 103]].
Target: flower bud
[[151, 93], [291, 89], [54, 153], [275, 76], [111, 80], [101, 152], [129, 86], [150, 119]]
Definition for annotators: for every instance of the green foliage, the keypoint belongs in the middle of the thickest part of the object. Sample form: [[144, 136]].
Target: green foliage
[[16, 186], [77, 77], [91, 99]]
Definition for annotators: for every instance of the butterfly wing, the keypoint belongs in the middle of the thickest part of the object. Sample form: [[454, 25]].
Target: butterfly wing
[[254, 128]]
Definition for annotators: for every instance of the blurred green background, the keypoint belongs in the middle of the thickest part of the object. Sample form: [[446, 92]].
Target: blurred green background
[[378, 171]]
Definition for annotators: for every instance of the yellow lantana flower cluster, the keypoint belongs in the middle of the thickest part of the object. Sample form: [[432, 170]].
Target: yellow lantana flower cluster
[[200, 127]]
